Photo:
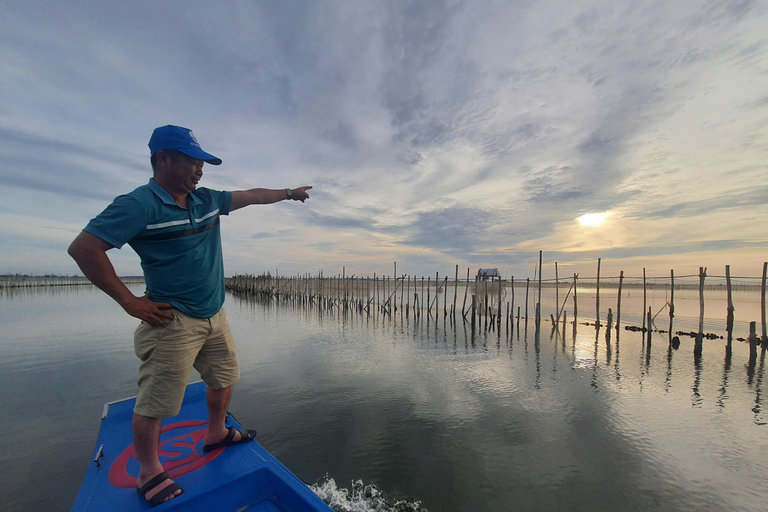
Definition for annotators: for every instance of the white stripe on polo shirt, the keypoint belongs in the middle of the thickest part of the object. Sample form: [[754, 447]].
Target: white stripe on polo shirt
[[207, 216], [168, 224]]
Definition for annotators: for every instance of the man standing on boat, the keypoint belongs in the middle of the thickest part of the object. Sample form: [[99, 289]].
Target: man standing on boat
[[174, 228]]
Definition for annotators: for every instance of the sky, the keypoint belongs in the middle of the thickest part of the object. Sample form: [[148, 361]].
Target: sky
[[435, 133]]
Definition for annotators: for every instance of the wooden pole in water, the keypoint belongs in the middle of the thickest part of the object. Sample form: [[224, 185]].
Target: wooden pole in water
[[618, 301], [445, 296], [499, 308], [671, 301], [700, 337], [513, 297], [408, 297], [702, 276], [575, 306], [527, 284], [644, 299], [421, 297], [473, 312], [455, 291], [597, 297], [464, 304], [557, 294], [762, 302], [731, 309], [429, 295], [538, 302]]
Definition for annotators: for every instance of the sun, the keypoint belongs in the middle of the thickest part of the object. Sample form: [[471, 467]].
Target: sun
[[593, 219]]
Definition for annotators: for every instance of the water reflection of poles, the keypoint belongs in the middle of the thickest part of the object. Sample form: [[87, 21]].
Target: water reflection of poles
[[642, 359], [473, 314], [610, 324], [668, 378], [726, 372], [573, 346], [564, 315], [648, 346], [608, 338], [758, 388], [752, 351], [697, 360], [472, 331], [593, 383], [537, 352], [553, 337], [616, 359], [525, 343]]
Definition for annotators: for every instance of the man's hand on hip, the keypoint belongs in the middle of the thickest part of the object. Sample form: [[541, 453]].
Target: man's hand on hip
[[151, 312]]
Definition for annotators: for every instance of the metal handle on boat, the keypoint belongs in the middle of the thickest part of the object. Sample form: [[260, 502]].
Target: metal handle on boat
[[99, 456]]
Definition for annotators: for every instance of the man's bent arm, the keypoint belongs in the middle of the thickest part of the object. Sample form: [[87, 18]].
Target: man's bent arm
[[90, 253], [242, 198]]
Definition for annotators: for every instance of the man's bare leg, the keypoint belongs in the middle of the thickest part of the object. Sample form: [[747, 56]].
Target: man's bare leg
[[218, 403], [146, 440]]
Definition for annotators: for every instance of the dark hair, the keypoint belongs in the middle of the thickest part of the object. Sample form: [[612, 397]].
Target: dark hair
[[173, 154]]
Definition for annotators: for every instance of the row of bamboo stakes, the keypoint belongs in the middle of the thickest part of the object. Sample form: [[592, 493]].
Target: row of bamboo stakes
[[363, 293], [9, 281]]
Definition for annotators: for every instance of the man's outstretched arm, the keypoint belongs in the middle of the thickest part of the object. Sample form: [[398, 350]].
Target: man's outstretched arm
[[90, 253], [242, 198]]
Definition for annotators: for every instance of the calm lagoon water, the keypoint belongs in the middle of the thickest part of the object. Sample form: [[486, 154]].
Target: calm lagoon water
[[429, 414]]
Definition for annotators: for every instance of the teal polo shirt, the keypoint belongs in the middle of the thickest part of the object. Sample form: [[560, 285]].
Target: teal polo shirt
[[180, 248]]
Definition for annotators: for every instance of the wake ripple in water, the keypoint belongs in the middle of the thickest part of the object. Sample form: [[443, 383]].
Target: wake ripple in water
[[361, 498]]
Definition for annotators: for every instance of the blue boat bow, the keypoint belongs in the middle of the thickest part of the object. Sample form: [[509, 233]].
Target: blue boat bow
[[235, 478]]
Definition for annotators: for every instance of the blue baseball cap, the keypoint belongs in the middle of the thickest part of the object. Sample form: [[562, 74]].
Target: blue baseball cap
[[182, 139]]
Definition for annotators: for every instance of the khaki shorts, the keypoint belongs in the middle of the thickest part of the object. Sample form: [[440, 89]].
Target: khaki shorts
[[168, 355]]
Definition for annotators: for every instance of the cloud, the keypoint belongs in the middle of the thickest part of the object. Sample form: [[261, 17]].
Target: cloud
[[732, 200], [455, 230], [432, 131]]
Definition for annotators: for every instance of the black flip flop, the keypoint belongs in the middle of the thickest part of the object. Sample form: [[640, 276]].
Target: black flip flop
[[159, 498], [245, 436]]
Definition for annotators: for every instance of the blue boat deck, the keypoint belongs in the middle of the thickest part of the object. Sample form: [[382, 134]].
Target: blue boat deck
[[236, 478]]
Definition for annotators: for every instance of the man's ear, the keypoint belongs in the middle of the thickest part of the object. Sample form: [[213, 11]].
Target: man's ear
[[163, 159]]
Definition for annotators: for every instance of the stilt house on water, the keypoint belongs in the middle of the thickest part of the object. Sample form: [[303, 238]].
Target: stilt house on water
[[488, 274]]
